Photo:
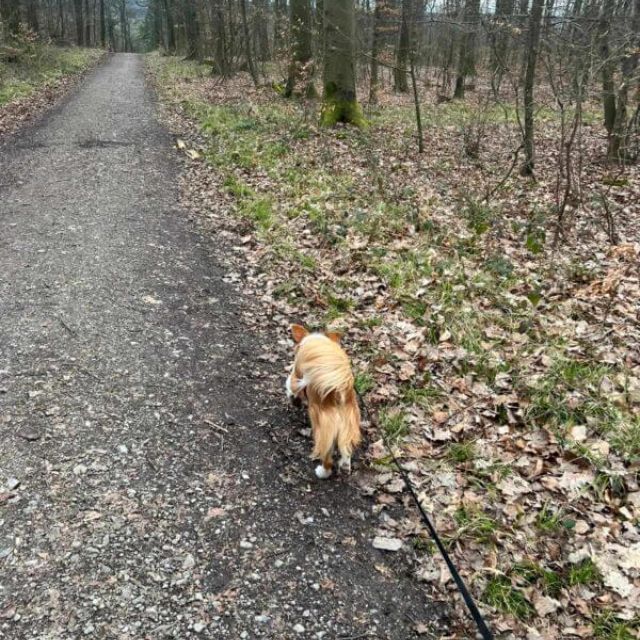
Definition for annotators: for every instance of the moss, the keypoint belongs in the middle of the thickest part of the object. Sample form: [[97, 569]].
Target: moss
[[337, 108]]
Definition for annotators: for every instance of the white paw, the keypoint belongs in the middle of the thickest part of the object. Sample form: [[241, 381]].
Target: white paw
[[345, 465], [322, 473]]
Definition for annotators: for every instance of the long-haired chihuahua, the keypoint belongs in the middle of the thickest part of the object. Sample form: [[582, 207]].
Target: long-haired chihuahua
[[321, 377]]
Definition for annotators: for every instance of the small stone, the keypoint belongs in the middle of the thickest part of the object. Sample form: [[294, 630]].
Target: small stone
[[189, 562], [79, 469], [387, 544], [29, 434], [278, 563], [299, 628], [245, 544], [262, 619], [122, 448], [13, 483], [198, 627]]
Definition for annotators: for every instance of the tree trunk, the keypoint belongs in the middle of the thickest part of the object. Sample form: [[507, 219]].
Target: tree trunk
[[376, 48], [260, 22], [279, 22], [467, 55], [32, 16], [77, 5], [302, 52], [247, 42], [87, 24], [103, 26], [171, 30], [221, 63], [533, 43], [192, 30], [618, 140], [500, 49], [608, 90], [402, 53], [339, 101]]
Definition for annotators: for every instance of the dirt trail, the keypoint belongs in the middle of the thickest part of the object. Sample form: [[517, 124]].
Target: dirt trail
[[154, 483]]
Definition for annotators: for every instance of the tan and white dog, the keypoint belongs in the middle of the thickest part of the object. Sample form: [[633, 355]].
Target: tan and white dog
[[321, 376]]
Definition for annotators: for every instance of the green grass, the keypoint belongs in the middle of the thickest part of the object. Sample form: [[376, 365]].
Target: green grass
[[568, 394], [460, 452], [550, 520], [393, 424], [550, 582], [476, 524], [40, 66], [503, 596], [364, 382], [421, 396], [607, 626], [585, 573]]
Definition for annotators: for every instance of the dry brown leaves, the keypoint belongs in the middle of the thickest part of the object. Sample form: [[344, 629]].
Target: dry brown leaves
[[516, 500]]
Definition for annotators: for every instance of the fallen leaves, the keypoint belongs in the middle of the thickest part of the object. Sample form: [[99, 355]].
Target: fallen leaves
[[515, 375]]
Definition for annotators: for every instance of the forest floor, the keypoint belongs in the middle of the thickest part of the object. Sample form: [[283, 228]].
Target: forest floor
[[37, 78], [498, 343], [153, 481]]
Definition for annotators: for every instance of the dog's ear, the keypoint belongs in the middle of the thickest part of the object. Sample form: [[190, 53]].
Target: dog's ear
[[298, 332], [334, 336]]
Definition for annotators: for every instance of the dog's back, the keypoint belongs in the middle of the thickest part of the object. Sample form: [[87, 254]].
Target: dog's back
[[325, 373]]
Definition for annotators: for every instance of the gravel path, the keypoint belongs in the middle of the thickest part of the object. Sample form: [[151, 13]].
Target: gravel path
[[152, 482]]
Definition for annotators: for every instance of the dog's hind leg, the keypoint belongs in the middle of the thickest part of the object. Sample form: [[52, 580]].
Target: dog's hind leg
[[324, 470]]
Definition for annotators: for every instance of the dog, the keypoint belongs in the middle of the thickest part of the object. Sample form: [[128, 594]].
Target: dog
[[321, 377]]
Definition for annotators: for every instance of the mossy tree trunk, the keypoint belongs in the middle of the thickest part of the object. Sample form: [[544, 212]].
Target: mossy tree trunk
[[300, 67], [533, 44], [339, 100]]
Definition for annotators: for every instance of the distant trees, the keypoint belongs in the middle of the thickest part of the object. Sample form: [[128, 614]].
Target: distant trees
[[342, 45], [90, 23]]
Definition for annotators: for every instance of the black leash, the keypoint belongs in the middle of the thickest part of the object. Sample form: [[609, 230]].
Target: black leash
[[466, 596]]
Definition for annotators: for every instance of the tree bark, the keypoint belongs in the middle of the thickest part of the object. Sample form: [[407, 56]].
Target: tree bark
[[77, 5], [533, 44], [171, 30], [87, 24], [339, 101], [376, 48], [467, 55], [247, 42], [619, 136], [302, 52], [608, 66], [192, 30], [402, 53], [103, 26]]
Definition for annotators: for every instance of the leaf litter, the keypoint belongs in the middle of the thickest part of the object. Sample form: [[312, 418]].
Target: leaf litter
[[505, 375]]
